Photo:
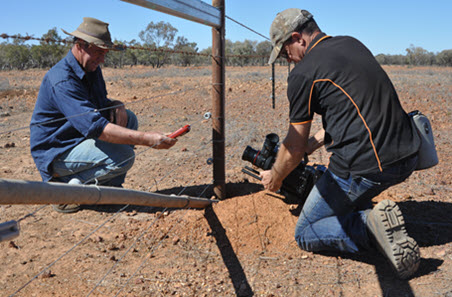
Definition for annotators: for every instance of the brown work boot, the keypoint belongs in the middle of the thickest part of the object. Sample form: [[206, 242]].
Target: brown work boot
[[386, 225], [66, 208]]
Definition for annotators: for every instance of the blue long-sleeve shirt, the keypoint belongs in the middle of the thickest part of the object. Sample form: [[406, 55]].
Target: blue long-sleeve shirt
[[66, 112]]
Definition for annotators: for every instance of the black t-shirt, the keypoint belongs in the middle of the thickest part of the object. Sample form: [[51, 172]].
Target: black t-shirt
[[366, 128]]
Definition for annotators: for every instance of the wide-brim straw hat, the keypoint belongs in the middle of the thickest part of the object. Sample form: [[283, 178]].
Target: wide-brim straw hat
[[95, 32]]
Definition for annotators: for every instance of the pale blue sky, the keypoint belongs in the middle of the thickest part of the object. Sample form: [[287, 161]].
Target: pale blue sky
[[385, 26]]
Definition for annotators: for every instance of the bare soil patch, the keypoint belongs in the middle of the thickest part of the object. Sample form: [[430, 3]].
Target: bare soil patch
[[242, 246]]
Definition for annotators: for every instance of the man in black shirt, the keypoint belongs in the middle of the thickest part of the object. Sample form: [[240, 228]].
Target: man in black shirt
[[372, 143]]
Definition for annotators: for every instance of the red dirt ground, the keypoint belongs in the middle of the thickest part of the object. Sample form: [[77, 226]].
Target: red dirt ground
[[242, 246]]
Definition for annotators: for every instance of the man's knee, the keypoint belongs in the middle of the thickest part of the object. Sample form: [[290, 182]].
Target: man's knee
[[300, 238], [303, 243], [124, 157], [129, 163]]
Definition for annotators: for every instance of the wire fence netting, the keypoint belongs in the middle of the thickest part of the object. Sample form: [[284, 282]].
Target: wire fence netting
[[126, 241], [148, 251]]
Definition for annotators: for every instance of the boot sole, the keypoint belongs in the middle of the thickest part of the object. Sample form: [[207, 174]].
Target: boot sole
[[394, 242]]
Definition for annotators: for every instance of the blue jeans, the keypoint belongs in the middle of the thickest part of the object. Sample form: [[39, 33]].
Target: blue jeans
[[334, 215], [96, 161]]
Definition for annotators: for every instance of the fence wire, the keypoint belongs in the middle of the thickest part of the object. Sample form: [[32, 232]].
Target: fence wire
[[96, 229], [122, 47], [137, 239], [126, 160], [97, 110]]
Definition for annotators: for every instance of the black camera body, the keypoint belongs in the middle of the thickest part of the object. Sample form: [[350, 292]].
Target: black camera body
[[298, 184]]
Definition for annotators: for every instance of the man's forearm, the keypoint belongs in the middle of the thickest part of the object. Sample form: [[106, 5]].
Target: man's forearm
[[287, 160], [116, 134], [290, 154], [316, 141]]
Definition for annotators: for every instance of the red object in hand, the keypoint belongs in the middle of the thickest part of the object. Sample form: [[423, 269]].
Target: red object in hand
[[179, 132]]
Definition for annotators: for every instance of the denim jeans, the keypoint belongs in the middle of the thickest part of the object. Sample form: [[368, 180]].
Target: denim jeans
[[96, 161], [334, 215]]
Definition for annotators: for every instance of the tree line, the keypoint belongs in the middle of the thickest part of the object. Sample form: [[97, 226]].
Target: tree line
[[160, 45], [417, 56]]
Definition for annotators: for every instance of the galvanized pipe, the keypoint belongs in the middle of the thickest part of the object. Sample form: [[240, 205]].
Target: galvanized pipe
[[33, 192]]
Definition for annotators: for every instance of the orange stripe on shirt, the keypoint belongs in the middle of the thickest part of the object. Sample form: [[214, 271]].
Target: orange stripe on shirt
[[301, 123], [324, 37], [357, 109]]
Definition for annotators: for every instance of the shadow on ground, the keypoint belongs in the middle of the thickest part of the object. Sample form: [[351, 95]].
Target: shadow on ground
[[234, 190], [429, 223], [230, 259]]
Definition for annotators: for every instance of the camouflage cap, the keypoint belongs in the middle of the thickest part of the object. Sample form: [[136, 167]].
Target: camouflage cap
[[286, 22]]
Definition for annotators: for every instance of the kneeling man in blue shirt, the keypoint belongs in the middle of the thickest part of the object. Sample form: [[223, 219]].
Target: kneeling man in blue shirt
[[77, 134]]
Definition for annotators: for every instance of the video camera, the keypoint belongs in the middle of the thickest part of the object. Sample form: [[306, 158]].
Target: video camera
[[298, 184]]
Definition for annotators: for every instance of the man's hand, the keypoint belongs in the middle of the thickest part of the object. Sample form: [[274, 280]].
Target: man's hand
[[269, 182], [118, 114], [159, 141]]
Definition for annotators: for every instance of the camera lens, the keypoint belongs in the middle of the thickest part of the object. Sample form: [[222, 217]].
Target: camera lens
[[249, 154], [263, 159]]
